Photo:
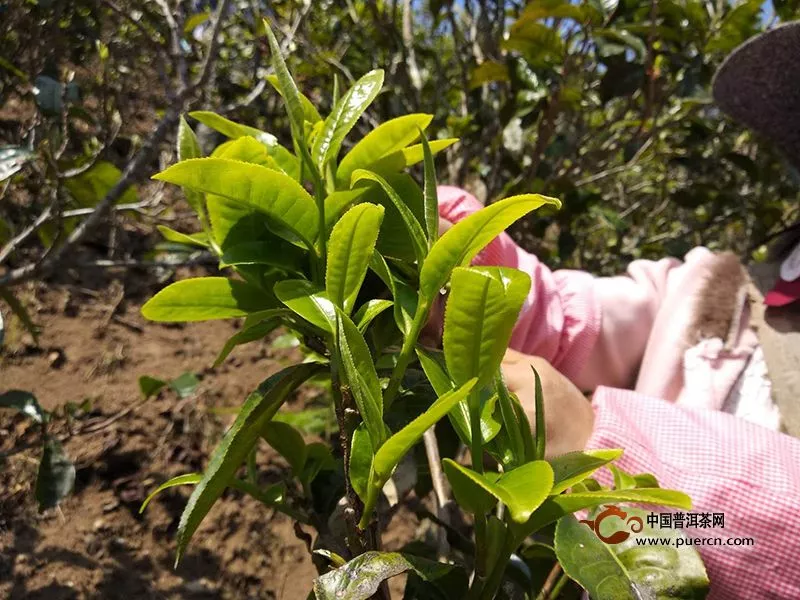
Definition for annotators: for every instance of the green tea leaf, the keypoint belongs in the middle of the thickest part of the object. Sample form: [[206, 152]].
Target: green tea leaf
[[338, 202], [459, 245], [308, 301], [189, 147], [591, 563], [361, 577], [574, 467], [541, 428], [471, 495], [361, 461], [252, 331], [405, 300], [289, 91], [622, 480], [556, 507], [288, 442], [199, 240], [344, 116], [231, 452], [522, 490], [663, 571], [275, 253], [408, 157], [435, 370], [185, 384], [150, 386], [24, 402], [359, 370], [515, 424], [56, 476], [271, 496], [387, 138], [310, 112], [318, 459], [230, 129], [409, 220], [368, 311], [205, 298], [429, 193], [481, 312], [396, 447], [276, 195], [350, 249]]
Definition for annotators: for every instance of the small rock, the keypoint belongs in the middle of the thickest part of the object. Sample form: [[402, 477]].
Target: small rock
[[111, 506], [56, 358], [99, 524], [119, 543]]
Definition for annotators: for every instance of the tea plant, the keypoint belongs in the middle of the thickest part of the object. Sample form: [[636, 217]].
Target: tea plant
[[353, 269]]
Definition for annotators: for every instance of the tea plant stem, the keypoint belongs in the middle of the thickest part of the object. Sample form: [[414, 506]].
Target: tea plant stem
[[357, 539], [406, 353]]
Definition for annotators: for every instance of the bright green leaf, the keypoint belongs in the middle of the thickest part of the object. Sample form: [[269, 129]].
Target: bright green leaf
[[522, 490], [431, 199], [350, 249], [276, 195], [308, 301], [481, 312], [344, 116], [574, 467], [205, 298], [359, 370], [459, 245], [368, 311], [386, 139], [408, 157]]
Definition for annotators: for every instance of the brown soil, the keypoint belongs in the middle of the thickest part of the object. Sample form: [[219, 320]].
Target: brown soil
[[95, 345]]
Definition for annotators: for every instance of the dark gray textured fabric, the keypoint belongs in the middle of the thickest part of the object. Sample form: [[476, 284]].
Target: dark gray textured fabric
[[759, 86]]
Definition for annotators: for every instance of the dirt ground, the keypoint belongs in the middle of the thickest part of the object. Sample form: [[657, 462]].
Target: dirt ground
[[95, 345]]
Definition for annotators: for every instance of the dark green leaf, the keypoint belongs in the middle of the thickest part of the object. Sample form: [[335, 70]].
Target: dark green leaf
[[591, 563], [56, 475], [231, 452], [288, 442], [24, 402], [150, 386], [275, 253], [410, 222]]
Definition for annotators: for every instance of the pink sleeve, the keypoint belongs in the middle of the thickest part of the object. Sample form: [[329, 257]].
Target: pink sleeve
[[593, 330], [726, 465]]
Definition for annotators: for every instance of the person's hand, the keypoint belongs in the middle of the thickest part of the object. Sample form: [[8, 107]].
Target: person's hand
[[569, 418]]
